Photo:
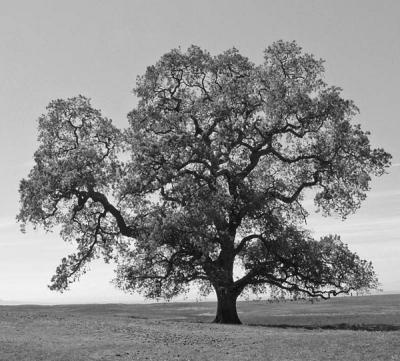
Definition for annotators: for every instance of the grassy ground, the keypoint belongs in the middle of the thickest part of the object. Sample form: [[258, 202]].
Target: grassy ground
[[181, 331]]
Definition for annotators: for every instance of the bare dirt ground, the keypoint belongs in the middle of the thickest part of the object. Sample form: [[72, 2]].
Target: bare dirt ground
[[181, 331]]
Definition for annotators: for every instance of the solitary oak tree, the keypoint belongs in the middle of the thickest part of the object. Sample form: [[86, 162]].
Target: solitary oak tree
[[207, 183]]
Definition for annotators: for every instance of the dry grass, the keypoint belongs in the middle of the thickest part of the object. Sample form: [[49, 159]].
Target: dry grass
[[179, 331]]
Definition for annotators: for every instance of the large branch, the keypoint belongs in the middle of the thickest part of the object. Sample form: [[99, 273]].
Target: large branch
[[125, 230]]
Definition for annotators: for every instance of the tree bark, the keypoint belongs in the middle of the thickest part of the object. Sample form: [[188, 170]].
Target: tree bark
[[226, 309]]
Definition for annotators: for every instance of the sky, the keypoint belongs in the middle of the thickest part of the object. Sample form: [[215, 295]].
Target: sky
[[59, 49]]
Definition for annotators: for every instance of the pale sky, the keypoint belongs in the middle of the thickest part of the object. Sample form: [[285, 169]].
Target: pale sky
[[59, 49]]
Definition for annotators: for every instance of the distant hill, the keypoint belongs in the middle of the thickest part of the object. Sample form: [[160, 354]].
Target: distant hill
[[9, 302]]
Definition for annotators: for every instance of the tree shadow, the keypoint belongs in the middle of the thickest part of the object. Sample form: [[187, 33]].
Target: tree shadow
[[338, 326]]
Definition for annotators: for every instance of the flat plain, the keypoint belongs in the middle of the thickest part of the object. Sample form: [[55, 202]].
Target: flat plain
[[347, 328]]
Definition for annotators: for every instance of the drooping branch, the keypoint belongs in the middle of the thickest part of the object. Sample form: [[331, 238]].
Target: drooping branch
[[73, 266], [294, 263]]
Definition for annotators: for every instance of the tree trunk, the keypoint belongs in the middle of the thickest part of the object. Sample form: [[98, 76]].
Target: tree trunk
[[226, 310]]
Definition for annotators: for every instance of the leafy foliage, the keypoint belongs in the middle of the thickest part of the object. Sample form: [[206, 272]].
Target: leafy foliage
[[210, 173]]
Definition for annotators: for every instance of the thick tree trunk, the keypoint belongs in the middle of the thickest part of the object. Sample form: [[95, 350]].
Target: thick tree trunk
[[226, 310]]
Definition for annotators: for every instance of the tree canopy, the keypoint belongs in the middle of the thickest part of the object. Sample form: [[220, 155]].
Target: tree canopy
[[206, 185]]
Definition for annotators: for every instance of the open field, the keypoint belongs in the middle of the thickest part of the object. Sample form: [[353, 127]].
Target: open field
[[181, 331]]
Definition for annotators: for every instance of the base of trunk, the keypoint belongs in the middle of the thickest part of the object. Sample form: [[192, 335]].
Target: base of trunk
[[226, 310], [229, 321]]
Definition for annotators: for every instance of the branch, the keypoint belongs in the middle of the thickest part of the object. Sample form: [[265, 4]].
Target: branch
[[243, 242], [294, 196], [125, 230]]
